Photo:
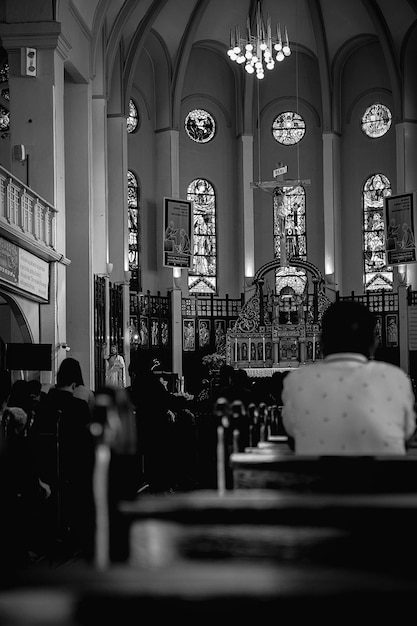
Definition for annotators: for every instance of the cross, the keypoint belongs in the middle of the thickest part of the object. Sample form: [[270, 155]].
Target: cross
[[279, 181]]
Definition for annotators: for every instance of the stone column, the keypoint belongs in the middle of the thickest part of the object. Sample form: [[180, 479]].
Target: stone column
[[80, 310], [118, 214], [332, 210], [168, 186], [406, 145], [248, 223]]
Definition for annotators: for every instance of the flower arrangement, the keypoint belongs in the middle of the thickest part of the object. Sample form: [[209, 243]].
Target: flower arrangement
[[214, 361], [184, 394]]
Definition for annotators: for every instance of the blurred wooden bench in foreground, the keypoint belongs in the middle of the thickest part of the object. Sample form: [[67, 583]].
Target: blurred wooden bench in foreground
[[331, 474]]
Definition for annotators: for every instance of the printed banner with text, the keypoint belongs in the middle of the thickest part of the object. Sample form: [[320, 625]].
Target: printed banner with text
[[399, 229], [178, 233]]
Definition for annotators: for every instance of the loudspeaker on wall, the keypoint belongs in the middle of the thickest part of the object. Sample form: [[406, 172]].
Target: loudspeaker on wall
[[19, 152]]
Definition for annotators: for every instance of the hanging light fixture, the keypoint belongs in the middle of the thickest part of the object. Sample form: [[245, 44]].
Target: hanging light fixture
[[260, 49]]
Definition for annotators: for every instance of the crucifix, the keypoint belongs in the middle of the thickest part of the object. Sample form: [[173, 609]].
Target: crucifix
[[277, 188]]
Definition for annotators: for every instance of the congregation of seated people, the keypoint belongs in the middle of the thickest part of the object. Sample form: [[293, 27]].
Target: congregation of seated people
[[347, 403]]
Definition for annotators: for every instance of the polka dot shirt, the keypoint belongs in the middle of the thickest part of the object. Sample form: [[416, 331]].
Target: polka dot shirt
[[347, 404]]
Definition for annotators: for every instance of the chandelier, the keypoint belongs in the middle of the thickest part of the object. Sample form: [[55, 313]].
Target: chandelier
[[260, 49]]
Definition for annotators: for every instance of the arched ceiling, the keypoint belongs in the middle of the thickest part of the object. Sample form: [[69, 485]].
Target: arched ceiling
[[342, 20], [327, 30]]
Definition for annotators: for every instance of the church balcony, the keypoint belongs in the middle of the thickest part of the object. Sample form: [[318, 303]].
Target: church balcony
[[26, 218]]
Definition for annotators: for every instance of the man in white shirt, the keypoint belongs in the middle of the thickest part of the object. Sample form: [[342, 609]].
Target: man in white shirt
[[349, 404]]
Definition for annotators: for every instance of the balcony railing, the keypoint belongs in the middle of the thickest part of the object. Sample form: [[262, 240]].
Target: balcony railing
[[25, 213]]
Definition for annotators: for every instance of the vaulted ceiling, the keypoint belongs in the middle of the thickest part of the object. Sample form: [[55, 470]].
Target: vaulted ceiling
[[327, 30]]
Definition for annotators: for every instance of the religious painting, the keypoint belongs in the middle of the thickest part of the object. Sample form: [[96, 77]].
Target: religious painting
[[203, 333], [378, 329], [392, 331], [288, 349], [188, 335], [164, 333], [220, 335], [143, 332], [154, 332], [133, 329]]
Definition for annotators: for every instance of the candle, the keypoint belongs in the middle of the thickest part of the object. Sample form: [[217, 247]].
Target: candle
[[235, 440], [263, 346], [221, 478], [249, 349], [236, 349]]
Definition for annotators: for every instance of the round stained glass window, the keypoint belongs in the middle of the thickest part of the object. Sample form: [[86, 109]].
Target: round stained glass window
[[376, 120], [288, 128], [200, 126]]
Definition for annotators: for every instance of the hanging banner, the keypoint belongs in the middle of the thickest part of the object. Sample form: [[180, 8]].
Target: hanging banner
[[177, 233], [399, 229]]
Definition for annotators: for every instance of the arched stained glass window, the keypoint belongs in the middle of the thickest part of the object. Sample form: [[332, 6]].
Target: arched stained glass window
[[132, 121], [376, 121], [134, 231], [288, 128], [377, 275], [202, 277], [290, 237], [4, 98]]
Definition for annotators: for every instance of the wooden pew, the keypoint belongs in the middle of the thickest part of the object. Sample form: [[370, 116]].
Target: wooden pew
[[331, 474], [269, 463]]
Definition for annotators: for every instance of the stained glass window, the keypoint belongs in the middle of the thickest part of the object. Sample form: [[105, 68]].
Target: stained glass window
[[290, 237], [134, 231], [200, 126], [288, 128], [4, 98], [202, 276], [132, 121], [376, 120], [377, 275]]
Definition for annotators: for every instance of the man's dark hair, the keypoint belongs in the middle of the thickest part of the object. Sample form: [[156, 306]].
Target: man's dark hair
[[348, 326], [69, 372]]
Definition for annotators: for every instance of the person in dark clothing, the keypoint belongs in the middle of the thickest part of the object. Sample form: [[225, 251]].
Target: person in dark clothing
[[23, 494], [224, 379], [154, 407], [238, 389], [5, 387], [65, 451]]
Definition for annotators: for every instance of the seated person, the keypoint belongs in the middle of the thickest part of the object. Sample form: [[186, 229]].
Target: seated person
[[238, 389], [65, 452], [349, 403]]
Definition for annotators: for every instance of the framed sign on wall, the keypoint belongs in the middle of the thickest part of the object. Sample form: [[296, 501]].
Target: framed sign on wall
[[177, 233], [400, 229]]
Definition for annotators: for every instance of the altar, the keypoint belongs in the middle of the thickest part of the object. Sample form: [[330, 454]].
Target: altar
[[264, 372], [279, 331]]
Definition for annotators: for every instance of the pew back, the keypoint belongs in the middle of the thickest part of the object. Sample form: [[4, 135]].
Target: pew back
[[331, 474]]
